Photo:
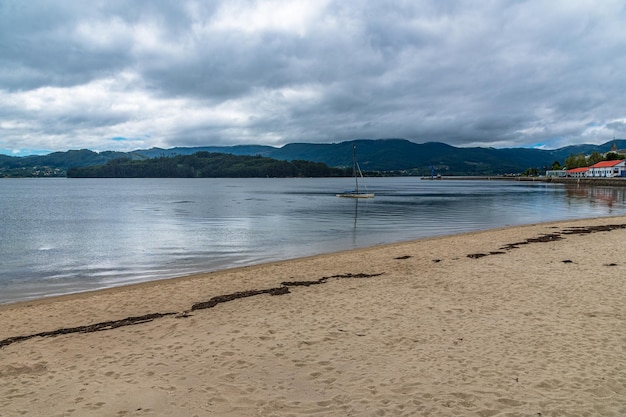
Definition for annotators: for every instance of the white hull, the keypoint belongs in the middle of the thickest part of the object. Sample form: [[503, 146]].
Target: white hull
[[356, 195]]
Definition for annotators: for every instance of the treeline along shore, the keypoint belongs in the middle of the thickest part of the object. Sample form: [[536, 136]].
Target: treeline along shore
[[207, 165]]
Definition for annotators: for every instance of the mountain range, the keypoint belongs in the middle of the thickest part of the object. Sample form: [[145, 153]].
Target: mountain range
[[397, 155]]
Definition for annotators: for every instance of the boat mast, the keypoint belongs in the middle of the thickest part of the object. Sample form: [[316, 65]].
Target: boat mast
[[354, 169]]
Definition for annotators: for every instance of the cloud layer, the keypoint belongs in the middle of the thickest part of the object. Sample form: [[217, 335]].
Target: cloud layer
[[122, 75]]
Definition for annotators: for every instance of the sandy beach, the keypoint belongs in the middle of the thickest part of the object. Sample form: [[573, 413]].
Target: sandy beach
[[524, 321]]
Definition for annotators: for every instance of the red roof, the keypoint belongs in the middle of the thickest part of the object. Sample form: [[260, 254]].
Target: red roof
[[606, 164], [575, 170]]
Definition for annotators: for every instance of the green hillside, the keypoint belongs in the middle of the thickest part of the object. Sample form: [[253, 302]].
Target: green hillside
[[206, 165], [387, 155]]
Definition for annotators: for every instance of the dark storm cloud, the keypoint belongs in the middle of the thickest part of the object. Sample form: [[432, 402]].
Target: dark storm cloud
[[164, 73]]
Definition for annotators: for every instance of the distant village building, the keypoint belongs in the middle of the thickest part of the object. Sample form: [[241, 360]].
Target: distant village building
[[559, 173], [578, 172], [603, 169], [615, 150], [608, 169]]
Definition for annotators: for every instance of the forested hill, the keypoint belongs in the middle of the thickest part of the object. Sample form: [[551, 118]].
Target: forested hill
[[398, 155], [401, 155], [206, 165]]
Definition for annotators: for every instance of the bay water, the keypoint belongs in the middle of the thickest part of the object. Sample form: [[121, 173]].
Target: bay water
[[60, 236]]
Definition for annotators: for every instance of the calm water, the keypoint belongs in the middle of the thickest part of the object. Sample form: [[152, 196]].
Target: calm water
[[68, 235]]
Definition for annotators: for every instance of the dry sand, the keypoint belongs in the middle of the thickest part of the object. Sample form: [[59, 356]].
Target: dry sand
[[535, 329]]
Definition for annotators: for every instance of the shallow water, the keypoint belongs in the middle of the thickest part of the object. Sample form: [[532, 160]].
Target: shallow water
[[66, 235]]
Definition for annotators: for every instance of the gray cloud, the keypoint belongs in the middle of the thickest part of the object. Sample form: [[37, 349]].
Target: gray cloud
[[185, 73]]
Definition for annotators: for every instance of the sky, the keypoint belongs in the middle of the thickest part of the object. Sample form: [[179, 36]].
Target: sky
[[136, 74]]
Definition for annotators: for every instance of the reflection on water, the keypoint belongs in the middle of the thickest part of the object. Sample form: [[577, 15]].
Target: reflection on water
[[608, 196], [62, 235]]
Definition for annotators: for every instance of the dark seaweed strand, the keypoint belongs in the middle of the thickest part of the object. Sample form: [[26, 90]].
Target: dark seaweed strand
[[552, 237], [234, 296], [129, 321], [97, 327], [323, 280]]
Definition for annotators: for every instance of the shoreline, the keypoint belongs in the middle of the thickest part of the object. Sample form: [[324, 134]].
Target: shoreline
[[521, 320], [139, 284], [44, 263], [249, 269], [206, 274]]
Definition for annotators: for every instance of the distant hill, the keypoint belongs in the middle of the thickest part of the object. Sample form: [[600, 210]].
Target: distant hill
[[205, 164], [242, 150], [403, 155], [398, 155]]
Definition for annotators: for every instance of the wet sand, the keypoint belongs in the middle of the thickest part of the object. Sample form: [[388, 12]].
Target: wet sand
[[524, 321]]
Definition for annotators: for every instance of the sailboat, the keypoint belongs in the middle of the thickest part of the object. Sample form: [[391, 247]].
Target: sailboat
[[357, 173]]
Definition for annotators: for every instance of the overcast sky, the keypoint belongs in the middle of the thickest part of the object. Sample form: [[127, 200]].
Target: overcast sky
[[134, 74]]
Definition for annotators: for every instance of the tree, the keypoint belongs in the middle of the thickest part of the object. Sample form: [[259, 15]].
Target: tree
[[556, 165], [531, 172], [575, 161], [594, 158]]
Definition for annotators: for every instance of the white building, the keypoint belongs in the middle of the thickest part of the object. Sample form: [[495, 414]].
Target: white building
[[608, 169], [578, 172], [559, 173]]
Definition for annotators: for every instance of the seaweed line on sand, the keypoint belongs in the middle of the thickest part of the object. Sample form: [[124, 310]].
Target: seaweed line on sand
[[551, 237], [284, 288], [129, 321]]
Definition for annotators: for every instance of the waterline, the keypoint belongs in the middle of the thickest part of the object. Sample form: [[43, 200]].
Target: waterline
[[63, 236]]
